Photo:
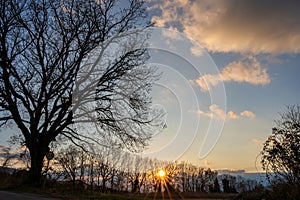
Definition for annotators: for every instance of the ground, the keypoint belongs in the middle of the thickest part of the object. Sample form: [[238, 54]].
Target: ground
[[4, 195]]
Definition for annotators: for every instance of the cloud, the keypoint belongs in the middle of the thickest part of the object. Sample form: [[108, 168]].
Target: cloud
[[196, 50], [248, 70], [172, 34], [232, 115], [248, 113], [248, 26], [169, 12], [205, 114], [257, 141], [207, 163], [207, 81], [216, 112]]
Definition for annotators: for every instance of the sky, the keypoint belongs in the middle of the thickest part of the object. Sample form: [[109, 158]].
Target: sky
[[229, 68]]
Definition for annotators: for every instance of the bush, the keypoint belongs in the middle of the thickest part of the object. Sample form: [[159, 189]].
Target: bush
[[258, 193], [285, 191], [277, 191]]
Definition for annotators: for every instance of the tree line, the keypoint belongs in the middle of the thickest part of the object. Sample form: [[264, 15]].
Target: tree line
[[114, 170]]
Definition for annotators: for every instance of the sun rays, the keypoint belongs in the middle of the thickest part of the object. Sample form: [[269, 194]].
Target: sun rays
[[163, 187]]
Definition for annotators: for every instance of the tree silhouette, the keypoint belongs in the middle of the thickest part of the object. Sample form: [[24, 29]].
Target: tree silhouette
[[229, 183], [72, 160], [48, 77], [281, 151], [216, 186]]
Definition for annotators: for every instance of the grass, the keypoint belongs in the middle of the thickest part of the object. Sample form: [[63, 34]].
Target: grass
[[67, 191]]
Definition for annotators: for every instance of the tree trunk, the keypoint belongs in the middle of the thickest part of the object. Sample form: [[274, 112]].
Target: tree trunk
[[37, 155], [112, 181], [103, 185]]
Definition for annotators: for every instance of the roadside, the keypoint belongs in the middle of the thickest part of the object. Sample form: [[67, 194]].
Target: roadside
[[5, 195]]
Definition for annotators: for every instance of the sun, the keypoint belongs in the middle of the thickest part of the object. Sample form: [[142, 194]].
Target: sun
[[161, 174]]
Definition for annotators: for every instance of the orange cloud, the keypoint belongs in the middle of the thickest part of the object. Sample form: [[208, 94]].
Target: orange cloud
[[248, 113], [207, 163], [248, 70], [214, 112], [245, 71], [218, 113], [235, 26], [207, 81], [232, 115]]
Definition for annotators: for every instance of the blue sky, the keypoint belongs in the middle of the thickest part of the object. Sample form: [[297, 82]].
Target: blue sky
[[255, 47]]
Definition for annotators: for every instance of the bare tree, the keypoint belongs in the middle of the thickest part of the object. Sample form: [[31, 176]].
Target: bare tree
[[72, 161], [281, 151], [47, 70], [91, 172], [5, 156], [106, 165], [123, 172], [138, 173]]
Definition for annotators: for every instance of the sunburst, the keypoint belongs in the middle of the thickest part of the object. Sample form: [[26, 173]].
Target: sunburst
[[163, 186]]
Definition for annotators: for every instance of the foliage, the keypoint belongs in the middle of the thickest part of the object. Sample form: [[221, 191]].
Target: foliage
[[284, 191], [281, 151], [277, 191]]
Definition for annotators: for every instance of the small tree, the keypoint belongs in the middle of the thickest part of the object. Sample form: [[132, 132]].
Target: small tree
[[72, 161], [216, 186], [281, 151], [5, 156], [229, 183]]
